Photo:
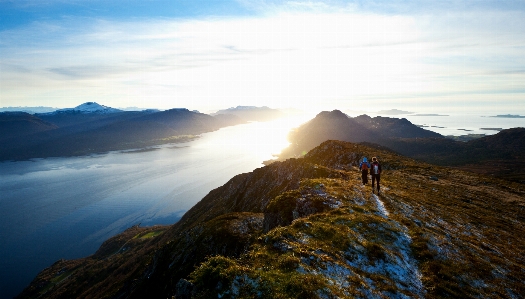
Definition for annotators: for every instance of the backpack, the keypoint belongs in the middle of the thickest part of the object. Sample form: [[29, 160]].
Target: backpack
[[364, 166], [375, 168]]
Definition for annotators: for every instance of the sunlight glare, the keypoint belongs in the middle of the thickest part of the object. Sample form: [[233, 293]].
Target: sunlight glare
[[269, 138], [264, 140]]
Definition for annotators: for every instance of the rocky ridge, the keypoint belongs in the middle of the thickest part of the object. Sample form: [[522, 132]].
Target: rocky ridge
[[500, 155], [307, 228]]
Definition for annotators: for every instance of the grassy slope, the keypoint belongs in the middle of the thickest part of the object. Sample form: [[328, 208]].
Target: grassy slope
[[459, 237], [306, 228]]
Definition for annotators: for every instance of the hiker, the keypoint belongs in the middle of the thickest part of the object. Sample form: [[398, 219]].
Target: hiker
[[364, 170], [375, 171]]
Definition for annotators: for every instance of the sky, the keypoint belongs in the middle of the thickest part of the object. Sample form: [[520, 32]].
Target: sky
[[420, 56]]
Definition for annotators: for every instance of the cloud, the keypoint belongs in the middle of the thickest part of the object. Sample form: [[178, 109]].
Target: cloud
[[91, 71], [319, 55]]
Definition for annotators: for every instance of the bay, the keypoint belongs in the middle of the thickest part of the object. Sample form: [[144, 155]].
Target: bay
[[64, 208], [458, 123]]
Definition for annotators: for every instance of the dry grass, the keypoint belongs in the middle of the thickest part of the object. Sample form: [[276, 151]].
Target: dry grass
[[433, 232]]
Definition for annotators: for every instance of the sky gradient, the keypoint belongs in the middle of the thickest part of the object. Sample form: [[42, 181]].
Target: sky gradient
[[422, 56]]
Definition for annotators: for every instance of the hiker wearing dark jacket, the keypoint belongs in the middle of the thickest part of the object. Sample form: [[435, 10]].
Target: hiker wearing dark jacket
[[364, 166], [375, 170]]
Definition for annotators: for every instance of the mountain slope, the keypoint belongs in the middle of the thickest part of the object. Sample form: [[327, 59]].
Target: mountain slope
[[88, 107], [336, 125], [307, 228], [21, 124], [81, 133], [388, 127]]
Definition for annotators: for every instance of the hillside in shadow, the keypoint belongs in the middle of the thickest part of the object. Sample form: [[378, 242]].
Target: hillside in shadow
[[76, 133]]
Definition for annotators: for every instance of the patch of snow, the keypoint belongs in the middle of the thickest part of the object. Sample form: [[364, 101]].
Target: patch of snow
[[89, 107], [397, 264], [337, 274], [380, 206], [443, 247], [404, 208]]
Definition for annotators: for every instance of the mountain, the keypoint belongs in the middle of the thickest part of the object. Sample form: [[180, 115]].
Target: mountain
[[30, 110], [14, 124], [338, 126], [308, 228], [500, 154], [89, 107], [252, 113], [386, 127], [92, 128]]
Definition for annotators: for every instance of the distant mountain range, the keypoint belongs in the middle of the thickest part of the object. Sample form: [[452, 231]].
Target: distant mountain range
[[509, 116], [30, 110], [92, 128], [308, 228], [502, 154], [41, 109]]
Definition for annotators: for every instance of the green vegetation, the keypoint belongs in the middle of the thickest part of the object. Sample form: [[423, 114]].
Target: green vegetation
[[149, 234], [307, 228]]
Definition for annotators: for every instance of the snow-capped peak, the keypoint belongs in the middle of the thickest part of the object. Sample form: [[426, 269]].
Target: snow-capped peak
[[90, 107]]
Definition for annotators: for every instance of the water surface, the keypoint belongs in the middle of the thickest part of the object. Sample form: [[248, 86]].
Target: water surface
[[64, 208]]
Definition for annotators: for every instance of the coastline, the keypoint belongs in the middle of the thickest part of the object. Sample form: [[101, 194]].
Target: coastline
[[135, 147]]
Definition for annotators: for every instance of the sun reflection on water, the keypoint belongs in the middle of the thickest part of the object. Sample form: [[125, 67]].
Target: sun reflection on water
[[263, 140]]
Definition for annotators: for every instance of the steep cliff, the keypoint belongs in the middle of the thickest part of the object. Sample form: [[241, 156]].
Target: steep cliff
[[308, 228]]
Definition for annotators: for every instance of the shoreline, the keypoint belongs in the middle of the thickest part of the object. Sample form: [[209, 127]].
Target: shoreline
[[148, 146]]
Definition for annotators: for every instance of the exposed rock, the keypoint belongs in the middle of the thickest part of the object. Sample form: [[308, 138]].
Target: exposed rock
[[183, 289]]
